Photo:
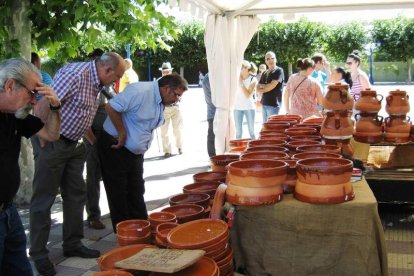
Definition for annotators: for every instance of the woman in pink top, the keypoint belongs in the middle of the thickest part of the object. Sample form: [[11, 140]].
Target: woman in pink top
[[303, 93]]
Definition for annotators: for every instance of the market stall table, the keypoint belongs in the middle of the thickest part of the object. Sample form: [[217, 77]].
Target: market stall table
[[296, 238]]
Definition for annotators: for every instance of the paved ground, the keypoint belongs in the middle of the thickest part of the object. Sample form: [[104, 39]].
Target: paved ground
[[165, 177]]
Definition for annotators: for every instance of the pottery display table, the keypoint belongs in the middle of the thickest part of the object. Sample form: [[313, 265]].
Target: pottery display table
[[296, 238]]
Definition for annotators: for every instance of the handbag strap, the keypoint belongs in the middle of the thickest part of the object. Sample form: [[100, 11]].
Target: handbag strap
[[294, 91]]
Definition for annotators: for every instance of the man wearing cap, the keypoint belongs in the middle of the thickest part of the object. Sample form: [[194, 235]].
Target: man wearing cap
[[20, 82], [270, 85], [172, 114], [59, 165]]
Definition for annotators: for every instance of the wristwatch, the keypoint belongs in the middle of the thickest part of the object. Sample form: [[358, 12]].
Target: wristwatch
[[55, 108]]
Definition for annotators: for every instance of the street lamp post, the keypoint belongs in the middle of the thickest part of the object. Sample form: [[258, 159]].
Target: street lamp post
[[371, 77]]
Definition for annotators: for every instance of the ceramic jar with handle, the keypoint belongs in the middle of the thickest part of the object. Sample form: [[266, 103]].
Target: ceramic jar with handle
[[368, 128], [337, 124], [397, 129], [369, 101], [397, 102], [338, 97]]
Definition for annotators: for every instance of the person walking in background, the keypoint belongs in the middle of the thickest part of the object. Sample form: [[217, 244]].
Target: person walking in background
[[133, 115], [172, 114], [200, 79], [244, 103], [270, 85], [261, 70], [360, 79], [322, 70], [130, 76], [211, 111], [59, 165], [303, 93], [20, 82], [339, 75]]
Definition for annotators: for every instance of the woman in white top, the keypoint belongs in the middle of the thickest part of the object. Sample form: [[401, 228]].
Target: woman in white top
[[244, 104], [359, 78]]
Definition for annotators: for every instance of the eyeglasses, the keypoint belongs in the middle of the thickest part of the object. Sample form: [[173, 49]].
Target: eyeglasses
[[349, 62], [30, 91]]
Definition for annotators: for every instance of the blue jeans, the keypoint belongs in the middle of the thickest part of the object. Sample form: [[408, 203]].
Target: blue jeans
[[238, 119], [13, 258], [268, 110]]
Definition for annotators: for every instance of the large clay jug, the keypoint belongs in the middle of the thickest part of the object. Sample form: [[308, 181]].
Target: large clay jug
[[338, 97], [337, 125], [369, 101], [368, 122], [397, 103], [398, 124]]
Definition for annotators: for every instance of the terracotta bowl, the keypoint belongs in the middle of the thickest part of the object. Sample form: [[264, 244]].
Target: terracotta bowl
[[274, 137], [308, 125], [316, 120], [257, 173], [292, 145], [186, 212], [271, 132], [205, 267], [324, 194], [275, 126], [306, 138], [324, 171], [291, 122], [290, 182], [219, 162], [238, 195], [324, 148], [126, 240], [259, 143], [113, 272], [156, 218], [197, 234], [293, 131], [108, 260], [217, 247], [295, 117], [202, 199], [210, 176], [137, 228], [272, 155], [315, 154], [208, 187], [236, 150], [239, 142], [267, 148], [163, 229]]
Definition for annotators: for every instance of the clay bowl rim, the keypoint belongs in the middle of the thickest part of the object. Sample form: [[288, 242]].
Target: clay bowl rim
[[279, 155], [330, 154], [153, 217], [292, 145], [201, 183], [239, 142], [223, 159], [224, 229], [304, 165], [197, 177], [295, 130], [267, 148], [108, 256], [142, 231], [264, 142], [200, 211], [329, 148], [204, 201], [252, 168], [305, 138], [275, 125]]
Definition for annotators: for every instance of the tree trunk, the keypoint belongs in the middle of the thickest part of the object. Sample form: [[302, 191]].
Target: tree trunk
[[409, 63], [19, 29], [290, 70]]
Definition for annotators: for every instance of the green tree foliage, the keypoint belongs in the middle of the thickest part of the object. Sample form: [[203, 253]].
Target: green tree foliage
[[340, 40], [76, 27]]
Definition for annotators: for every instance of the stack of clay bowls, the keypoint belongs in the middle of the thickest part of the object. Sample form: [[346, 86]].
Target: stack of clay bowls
[[210, 235], [157, 218], [324, 180], [368, 126], [134, 231], [238, 145], [219, 162], [255, 182], [337, 126], [397, 125], [162, 232]]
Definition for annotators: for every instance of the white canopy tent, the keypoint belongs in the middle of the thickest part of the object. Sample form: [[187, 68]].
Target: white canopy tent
[[231, 24]]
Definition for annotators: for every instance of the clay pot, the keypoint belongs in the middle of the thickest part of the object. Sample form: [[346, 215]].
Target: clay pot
[[107, 261], [295, 117], [272, 155], [219, 162], [306, 138], [337, 124], [369, 101], [324, 194], [186, 212], [246, 196], [397, 129], [267, 148], [257, 173], [275, 126], [134, 228], [210, 176], [208, 187], [338, 98], [292, 145], [368, 128], [343, 144], [258, 143], [397, 103], [202, 199], [301, 131], [324, 148], [315, 154]]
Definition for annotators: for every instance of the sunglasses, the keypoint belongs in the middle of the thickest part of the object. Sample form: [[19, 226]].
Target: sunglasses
[[349, 63], [30, 91]]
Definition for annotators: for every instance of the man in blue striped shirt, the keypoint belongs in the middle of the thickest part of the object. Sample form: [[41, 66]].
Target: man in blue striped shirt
[[59, 165]]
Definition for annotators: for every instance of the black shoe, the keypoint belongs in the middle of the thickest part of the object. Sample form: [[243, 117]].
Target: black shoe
[[96, 224], [166, 155], [82, 252], [180, 151], [45, 267]]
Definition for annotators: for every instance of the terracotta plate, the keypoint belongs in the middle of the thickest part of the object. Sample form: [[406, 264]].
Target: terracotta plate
[[107, 261]]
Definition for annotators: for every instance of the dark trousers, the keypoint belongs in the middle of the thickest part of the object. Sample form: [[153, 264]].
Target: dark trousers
[[13, 258], [58, 165], [93, 179], [122, 173], [211, 149]]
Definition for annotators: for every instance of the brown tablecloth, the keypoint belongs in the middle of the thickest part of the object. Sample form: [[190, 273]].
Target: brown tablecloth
[[296, 238]]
